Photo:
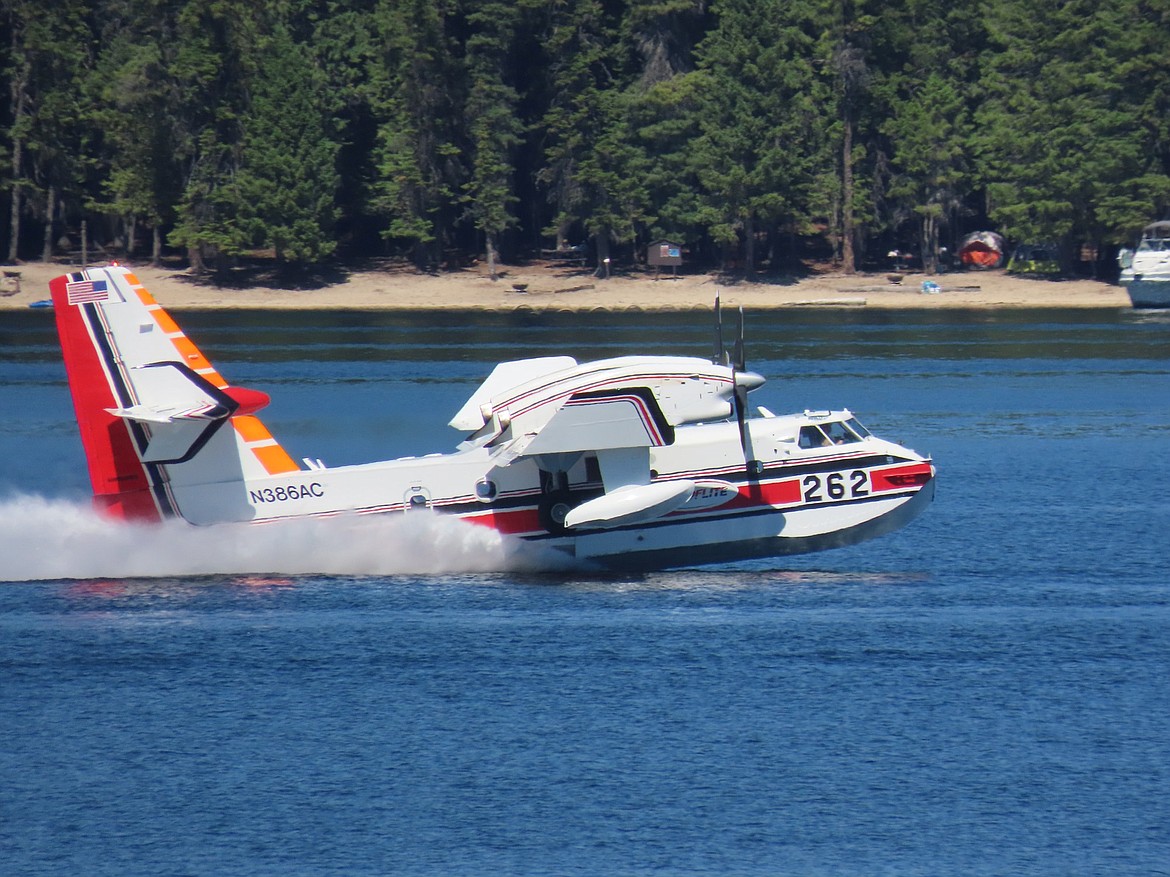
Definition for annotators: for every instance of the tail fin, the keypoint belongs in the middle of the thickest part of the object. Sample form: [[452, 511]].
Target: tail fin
[[150, 407]]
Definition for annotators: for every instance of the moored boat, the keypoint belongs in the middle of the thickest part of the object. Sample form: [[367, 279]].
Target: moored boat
[[1145, 273]]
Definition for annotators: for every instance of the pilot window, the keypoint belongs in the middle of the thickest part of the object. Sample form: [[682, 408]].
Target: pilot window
[[832, 433], [854, 424], [812, 437], [839, 433]]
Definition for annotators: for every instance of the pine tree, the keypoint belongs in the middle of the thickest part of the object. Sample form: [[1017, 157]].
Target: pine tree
[[663, 34], [761, 129], [288, 175], [921, 95], [133, 97], [494, 127], [214, 67], [844, 52], [928, 129], [1136, 64], [1065, 145], [48, 63], [726, 122], [415, 93], [592, 168]]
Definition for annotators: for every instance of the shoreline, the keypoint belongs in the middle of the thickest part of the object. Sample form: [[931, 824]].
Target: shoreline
[[540, 288]]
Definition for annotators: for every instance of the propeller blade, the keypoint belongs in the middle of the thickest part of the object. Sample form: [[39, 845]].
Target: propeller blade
[[753, 466], [743, 381], [738, 362], [740, 398], [720, 355]]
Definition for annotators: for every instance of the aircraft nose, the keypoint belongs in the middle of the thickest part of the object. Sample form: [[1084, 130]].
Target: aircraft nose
[[748, 380]]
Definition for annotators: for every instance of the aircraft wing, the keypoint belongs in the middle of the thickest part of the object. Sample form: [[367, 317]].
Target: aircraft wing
[[590, 421], [619, 426], [613, 416], [598, 420], [505, 376]]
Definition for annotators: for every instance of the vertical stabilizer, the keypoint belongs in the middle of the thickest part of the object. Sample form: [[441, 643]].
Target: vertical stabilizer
[[154, 415]]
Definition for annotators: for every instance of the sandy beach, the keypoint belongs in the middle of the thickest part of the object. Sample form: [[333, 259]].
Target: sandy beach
[[539, 287]]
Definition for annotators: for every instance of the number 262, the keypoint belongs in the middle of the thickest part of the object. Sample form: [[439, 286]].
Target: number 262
[[819, 488]]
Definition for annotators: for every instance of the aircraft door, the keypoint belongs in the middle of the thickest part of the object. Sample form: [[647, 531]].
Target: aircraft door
[[416, 498]]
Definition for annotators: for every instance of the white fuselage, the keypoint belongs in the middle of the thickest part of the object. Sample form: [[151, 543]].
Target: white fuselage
[[803, 499]]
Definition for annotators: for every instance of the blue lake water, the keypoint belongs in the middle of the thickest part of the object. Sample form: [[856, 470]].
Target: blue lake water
[[985, 692]]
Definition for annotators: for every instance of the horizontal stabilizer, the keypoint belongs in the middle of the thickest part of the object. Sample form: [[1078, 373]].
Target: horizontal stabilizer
[[632, 504], [181, 408], [150, 414]]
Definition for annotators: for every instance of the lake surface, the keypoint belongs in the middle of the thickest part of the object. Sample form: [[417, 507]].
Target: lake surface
[[985, 692]]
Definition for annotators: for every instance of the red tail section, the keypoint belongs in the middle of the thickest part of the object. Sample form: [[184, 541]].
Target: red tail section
[[122, 486], [159, 424]]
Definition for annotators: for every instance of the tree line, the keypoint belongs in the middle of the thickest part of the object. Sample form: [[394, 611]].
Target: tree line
[[758, 133]]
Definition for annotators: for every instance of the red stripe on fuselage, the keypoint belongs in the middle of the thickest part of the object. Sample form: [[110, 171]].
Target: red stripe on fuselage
[[768, 493], [914, 475], [512, 522], [751, 496]]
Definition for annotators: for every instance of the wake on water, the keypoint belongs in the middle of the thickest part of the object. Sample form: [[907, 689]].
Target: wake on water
[[43, 538]]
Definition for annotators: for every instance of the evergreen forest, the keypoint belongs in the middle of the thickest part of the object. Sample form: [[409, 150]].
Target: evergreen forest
[[759, 134]]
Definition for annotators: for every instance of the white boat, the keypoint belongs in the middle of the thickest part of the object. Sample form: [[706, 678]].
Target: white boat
[[1145, 273]]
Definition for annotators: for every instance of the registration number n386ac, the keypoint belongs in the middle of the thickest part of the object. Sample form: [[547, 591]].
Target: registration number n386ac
[[285, 492]]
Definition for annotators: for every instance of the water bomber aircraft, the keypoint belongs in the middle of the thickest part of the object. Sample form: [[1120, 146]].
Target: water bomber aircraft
[[634, 462]]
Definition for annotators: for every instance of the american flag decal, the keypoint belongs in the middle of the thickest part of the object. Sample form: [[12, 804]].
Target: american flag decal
[[82, 291]]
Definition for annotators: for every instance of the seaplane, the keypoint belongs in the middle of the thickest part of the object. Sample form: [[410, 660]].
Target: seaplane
[[632, 463]]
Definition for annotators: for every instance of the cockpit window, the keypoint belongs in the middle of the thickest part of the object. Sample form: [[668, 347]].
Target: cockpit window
[[854, 424], [834, 432], [839, 433], [812, 437]]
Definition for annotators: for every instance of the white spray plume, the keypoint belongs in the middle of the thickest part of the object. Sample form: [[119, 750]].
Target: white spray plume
[[43, 538]]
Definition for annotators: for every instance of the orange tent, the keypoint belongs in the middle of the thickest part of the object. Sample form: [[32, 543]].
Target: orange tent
[[981, 249]]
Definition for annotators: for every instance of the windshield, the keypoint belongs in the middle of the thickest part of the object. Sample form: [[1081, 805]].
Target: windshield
[[834, 432], [854, 424], [812, 437]]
